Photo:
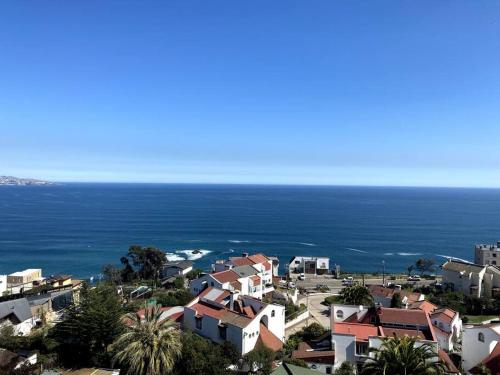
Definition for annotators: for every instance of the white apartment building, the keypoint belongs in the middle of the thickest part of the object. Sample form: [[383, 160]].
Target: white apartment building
[[309, 265], [481, 345], [23, 280], [487, 254], [249, 275], [221, 315], [472, 279]]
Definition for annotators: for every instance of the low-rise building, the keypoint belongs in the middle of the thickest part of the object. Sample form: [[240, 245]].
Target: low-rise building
[[309, 265], [317, 354], [471, 279], [179, 268], [356, 330], [382, 296], [20, 281], [249, 275], [3, 284], [16, 313], [221, 315], [481, 347], [487, 254]]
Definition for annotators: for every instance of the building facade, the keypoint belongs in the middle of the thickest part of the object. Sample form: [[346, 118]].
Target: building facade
[[221, 315], [479, 344], [309, 265], [487, 254], [471, 279]]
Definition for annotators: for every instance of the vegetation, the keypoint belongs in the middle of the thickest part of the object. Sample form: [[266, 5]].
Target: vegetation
[[356, 295], [194, 274], [179, 297], [345, 369], [424, 265], [85, 334], [396, 300], [330, 300], [402, 356], [148, 347], [201, 356], [311, 332], [149, 260], [260, 358]]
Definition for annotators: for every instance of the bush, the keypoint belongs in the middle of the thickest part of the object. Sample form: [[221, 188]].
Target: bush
[[313, 331], [179, 297], [330, 300]]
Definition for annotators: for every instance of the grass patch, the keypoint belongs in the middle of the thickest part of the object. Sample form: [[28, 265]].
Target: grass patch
[[479, 318]]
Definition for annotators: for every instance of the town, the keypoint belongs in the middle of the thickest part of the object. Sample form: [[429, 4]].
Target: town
[[245, 317]]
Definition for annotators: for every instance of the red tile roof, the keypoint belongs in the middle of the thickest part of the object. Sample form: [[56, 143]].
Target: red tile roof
[[267, 338], [385, 292], [225, 276], [443, 356], [260, 259], [361, 331], [426, 306], [204, 309], [401, 316], [444, 314], [398, 332], [243, 261], [255, 279], [315, 356]]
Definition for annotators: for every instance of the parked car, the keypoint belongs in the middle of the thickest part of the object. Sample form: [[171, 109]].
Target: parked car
[[348, 281], [302, 276], [414, 278], [322, 287], [291, 285]]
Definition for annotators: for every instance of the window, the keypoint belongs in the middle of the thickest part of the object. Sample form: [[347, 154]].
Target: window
[[494, 255], [340, 314], [297, 262], [480, 336], [222, 332], [328, 370], [273, 313], [198, 323], [211, 283], [494, 262]]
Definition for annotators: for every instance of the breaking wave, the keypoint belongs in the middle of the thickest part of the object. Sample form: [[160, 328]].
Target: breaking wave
[[238, 241], [454, 258], [307, 244], [356, 250], [193, 254]]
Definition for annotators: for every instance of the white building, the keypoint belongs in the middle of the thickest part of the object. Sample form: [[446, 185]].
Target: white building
[[249, 275], [221, 315], [3, 284], [20, 281], [471, 279], [481, 345], [487, 254], [179, 268], [309, 265], [356, 330]]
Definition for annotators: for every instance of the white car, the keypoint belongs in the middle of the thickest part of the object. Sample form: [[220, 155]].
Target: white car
[[348, 281], [302, 276], [414, 278], [291, 285]]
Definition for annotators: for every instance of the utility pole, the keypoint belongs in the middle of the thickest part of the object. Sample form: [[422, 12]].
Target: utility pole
[[383, 272]]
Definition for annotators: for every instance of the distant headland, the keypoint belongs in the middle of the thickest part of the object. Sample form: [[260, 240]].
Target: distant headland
[[10, 180]]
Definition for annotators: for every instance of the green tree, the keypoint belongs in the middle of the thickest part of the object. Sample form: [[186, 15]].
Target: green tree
[[261, 358], [410, 269], [424, 265], [148, 347], [312, 331], [202, 356], [149, 260], [396, 300], [128, 274], [194, 274], [403, 356], [112, 274], [345, 369], [356, 295], [84, 335]]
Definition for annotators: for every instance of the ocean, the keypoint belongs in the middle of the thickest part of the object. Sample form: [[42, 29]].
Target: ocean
[[77, 228]]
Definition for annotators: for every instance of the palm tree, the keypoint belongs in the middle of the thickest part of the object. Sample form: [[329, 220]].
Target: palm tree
[[150, 346], [356, 295], [400, 356]]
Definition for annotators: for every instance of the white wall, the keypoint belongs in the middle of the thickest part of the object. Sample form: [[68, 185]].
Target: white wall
[[345, 348], [3, 284], [473, 350]]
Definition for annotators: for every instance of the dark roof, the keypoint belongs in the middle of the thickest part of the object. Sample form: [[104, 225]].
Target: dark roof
[[182, 264], [20, 308], [245, 271]]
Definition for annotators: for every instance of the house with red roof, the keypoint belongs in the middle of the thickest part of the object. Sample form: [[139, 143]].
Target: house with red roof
[[481, 348], [223, 315], [357, 329], [250, 275], [383, 295]]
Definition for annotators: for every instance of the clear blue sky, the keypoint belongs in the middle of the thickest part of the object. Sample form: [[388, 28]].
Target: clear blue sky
[[309, 92]]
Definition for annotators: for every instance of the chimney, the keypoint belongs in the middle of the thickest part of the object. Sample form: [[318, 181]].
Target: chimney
[[244, 255], [233, 296]]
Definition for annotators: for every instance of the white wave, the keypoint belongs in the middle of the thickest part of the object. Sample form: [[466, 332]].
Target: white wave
[[193, 254], [172, 257], [454, 258], [307, 244], [238, 241], [357, 250], [408, 254], [388, 254]]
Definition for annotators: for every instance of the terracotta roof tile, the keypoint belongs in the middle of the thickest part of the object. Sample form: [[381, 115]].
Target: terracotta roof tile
[[267, 338], [401, 316], [225, 276], [443, 356], [243, 261], [426, 306], [361, 331]]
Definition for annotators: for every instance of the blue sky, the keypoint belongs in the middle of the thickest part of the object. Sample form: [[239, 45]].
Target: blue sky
[[309, 92]]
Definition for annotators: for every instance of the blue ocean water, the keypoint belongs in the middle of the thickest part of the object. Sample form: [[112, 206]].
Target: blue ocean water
[[77, 228]]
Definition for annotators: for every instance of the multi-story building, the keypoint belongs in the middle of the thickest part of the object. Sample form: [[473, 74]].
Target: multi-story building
[[222, 315], [472, 279], [481, 347], [487, 254], [250, 275], [309, 265], [23, 280], [356, 330]]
